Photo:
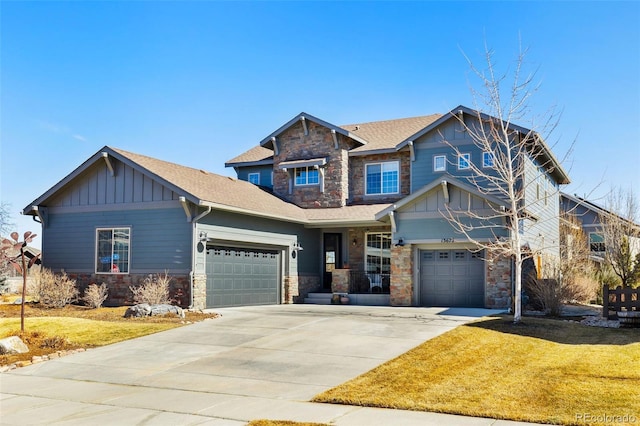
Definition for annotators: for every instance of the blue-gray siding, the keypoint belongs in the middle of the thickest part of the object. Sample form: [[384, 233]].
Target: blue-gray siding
[[264, 171], [160, 239], [306, 262], [542, 200], [96, 186]]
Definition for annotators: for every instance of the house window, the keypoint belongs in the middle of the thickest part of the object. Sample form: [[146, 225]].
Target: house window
[[382, 178], [487, 159], [112, 250], [464, 161], [254, 178], [307, 176], [378, 253], [596, 243], [440, 163]]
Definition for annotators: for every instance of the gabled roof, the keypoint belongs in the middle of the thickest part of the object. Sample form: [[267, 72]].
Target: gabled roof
[[386, 135], [548, 159], [267, 142], [219, 192], [432, 185], [374, 137], [197, 186], [600, 211]]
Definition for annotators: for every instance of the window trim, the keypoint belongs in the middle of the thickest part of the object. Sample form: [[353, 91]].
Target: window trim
[[377, 252], [306, 169], [597, 252], [462, 156], [113, 229], [444, 168], [381, 163], [254, 174], [485, 155]]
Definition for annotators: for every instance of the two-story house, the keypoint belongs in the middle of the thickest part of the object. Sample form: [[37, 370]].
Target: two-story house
[[312, 201]]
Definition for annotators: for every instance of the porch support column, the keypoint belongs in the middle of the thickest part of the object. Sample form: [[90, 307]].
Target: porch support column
[[401, 291]]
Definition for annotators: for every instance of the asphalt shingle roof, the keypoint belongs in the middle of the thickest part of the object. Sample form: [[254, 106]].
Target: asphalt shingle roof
[[380, 135], [214, 188]]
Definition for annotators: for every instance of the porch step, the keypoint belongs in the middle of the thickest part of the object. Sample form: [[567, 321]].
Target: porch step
[[318, 298]]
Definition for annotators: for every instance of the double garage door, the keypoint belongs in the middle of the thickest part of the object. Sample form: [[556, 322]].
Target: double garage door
[[242, 276], [451, 278]]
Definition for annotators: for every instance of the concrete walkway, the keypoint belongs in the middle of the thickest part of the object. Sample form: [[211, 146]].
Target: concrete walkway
[[252, 363]]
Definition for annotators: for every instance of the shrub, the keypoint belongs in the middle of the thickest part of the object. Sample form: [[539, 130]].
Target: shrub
[[53, 290], [95, 295], [154, 290]]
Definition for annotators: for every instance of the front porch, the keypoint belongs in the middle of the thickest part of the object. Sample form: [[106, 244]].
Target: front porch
[[361, 288]]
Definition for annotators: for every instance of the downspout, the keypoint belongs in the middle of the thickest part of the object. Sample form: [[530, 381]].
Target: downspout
[[201, 215]]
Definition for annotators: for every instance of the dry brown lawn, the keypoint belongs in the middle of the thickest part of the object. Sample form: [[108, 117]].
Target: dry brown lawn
[[542, 370], [74, 327]]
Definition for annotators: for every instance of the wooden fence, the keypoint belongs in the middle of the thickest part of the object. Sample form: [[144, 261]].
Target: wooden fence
[[619, 299]]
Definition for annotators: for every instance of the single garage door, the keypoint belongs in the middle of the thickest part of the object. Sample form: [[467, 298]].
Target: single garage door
[[451, 278], [241, 276]]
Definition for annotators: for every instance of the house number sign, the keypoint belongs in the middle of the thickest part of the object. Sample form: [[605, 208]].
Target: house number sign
[[448, 240]]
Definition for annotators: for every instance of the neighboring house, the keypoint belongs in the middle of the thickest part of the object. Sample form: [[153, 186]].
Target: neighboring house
[[311, 198], [590, 215]]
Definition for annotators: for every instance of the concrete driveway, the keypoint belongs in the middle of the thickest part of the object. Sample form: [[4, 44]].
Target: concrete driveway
[[253, 362]]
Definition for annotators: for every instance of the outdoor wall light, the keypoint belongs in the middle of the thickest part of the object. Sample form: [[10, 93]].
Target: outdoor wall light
[[400, 242], [297, 247], [203, 236], [354, 242]]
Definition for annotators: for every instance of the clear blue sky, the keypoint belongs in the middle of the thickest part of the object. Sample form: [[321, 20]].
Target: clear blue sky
[[198, 83]]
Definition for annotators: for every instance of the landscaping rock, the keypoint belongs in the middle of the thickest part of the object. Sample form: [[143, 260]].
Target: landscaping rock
[[145, 310], [12, 345]]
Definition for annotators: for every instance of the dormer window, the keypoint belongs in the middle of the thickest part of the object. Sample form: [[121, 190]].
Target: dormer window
[[306, 176], [382, 178], [254, 178]]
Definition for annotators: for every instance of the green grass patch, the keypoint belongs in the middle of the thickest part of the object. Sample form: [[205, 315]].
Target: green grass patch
[[545, 371]]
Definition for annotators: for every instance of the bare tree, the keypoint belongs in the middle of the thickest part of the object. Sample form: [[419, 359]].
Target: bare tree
[[511, 149], [621, 235], [5, 218]]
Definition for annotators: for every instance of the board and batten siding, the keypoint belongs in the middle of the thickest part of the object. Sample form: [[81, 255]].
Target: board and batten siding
[[160, 239], [96, 186], [423, 220]]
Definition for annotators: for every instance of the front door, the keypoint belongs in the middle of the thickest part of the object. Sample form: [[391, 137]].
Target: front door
[[332, 257]]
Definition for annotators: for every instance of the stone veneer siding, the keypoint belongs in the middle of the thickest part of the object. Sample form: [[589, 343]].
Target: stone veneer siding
[[401, 276], [357, 178], [340, 281], [200, 291], [498, 281], [293, 145], [306, 284], [120, 294]]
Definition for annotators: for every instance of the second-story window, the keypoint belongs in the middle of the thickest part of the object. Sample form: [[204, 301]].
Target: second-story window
[[487, 159], [254, 178], [307, 176], [464, 161], [440, 163], [382, 178]]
